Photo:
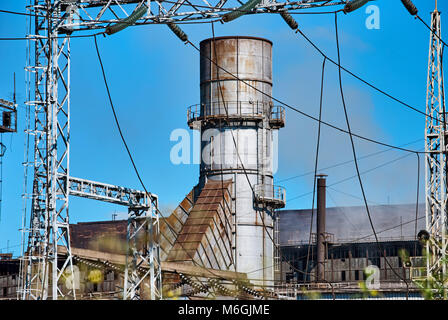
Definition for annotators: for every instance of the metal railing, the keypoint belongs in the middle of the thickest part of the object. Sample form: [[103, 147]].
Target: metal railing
[[235, 109], [328, 237], [270, 193], [277, 116]]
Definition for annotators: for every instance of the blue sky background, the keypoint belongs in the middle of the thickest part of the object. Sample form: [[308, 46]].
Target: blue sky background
[[154, 77]]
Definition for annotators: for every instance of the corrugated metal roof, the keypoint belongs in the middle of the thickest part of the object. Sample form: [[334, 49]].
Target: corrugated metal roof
[[352, 224]]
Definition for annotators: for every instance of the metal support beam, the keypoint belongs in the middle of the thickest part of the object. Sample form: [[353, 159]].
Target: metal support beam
[[42, 269], [98, 14], [107, 192], [142, 269], [143, 255], [436, 162]]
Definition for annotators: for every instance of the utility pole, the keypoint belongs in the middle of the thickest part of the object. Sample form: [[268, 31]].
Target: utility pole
[[436, 165]]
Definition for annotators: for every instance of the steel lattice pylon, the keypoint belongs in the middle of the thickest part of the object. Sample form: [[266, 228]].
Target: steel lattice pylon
[[436, 165], [49, 230], [143, 222]]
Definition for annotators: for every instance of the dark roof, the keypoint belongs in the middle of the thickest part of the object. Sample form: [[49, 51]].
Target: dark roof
[[391, 222], [105, 236]]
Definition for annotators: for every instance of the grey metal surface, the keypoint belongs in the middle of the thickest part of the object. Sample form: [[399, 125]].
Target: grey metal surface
[[107, 192], [351, 224], [249, 128]]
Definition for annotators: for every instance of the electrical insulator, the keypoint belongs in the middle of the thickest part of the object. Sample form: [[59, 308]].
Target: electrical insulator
[[289, 20], [354, 4], [410, 6], [178, 31], [248, 6], [126, 22]]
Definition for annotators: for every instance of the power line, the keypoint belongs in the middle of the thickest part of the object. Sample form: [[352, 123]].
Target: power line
[[347, 162], [361, 79], [348, 194], [68, 36], [351, 242], [354, 153], [354, 176], [416, 202], [221, 127], [429, 28], [304, 113], [195, 6], [132, 160], [317, 155], [242, 164]]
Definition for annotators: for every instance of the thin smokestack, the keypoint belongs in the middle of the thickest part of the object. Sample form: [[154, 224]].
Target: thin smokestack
[[321, 217]]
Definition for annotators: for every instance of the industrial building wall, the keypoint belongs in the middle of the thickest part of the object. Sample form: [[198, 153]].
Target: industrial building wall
[[351, 224], [8, 286], [346, 262]]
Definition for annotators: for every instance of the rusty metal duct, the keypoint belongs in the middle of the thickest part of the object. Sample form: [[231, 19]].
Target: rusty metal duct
[[321, 235], [232, 113]]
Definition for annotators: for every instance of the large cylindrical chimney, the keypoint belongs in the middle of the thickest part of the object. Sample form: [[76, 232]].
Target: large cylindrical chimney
[[321, 217], [234, 113]]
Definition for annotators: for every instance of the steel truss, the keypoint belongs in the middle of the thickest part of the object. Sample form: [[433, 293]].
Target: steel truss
[[143, 222], [436, 161], [143, 254], [49, 214], [54, 23], [85, 15]]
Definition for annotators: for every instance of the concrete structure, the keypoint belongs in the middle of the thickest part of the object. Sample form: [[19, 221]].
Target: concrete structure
[[237, 122]]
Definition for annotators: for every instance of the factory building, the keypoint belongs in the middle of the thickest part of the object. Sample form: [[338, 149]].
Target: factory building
[[350, 248], [9, 271], [351, 253]]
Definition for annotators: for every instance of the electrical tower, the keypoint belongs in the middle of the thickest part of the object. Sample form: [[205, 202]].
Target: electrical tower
[[48, 259], [436, 160]]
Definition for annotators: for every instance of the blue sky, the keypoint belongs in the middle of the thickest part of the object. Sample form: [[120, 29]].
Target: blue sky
[[154, 77]]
